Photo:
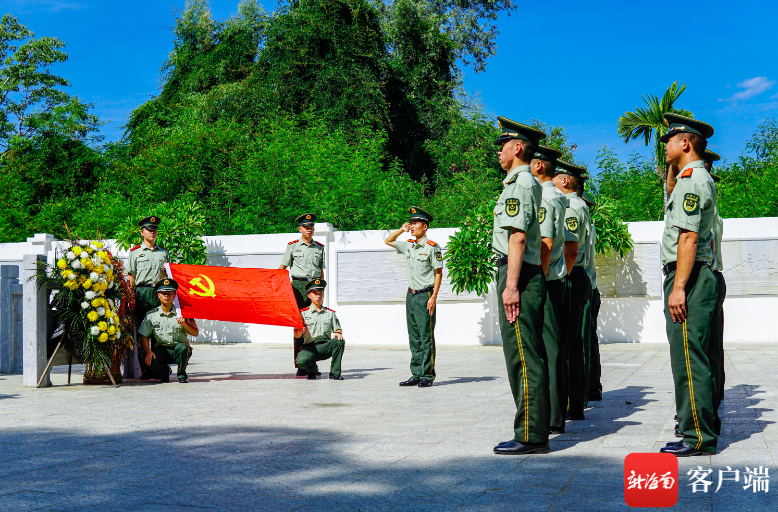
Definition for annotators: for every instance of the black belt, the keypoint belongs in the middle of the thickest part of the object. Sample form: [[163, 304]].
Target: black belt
[[670, 267], [425, 290], [300, 278], [501, 261]]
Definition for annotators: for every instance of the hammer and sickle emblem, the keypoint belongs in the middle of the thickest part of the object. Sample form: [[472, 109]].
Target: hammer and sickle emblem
[[206, 292]]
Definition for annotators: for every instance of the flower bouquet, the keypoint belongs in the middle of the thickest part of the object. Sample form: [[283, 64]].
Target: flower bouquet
[[92, 303]]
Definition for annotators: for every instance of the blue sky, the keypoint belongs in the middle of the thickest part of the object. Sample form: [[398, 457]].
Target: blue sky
[[576, 64]]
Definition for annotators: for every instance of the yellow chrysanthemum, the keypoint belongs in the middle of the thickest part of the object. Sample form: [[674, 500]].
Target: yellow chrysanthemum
[[62, 264], [92, 316], [71, 285], [111, 330], [66, 273], [89, 249], [87, 284], [103, 337], [99, 269], [81, 279], [77, 250], [96, 303], [99, 245], [102, 325]]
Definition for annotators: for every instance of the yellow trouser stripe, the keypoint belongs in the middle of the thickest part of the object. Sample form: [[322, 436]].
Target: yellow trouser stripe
[[691, 386], [432, 339], [524, 382]]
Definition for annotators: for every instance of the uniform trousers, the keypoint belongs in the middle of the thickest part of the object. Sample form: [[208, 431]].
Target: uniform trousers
[[716, 344], [301, 296], [145, 301], [164, 355], [319, 351], [554, 339], [525, 354], [580, 291], [692, 373], [421, 335], [595, 369]]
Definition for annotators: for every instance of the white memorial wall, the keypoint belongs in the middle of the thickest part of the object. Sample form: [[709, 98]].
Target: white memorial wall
[[367, 286]]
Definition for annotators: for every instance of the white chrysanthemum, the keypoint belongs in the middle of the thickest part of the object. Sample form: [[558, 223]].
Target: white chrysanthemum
[[110, 321], [118, 333], [73, 276], [96, 260], [101, 311], [76, 264], [90, 295], [95, 330], [70, 255], [110, 285], [94, 276], [84, 305], [102, 279]]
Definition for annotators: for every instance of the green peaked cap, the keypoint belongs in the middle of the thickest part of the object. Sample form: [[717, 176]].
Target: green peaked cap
[[165, 285], [513, 130], [587, 197], [150, 222], [710, 157], [563, 167], [306, 219], [548, 154], [677, 123], [316, 283], [419, 214]]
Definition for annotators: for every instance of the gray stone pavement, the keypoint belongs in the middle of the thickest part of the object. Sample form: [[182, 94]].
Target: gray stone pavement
[[246, 435]]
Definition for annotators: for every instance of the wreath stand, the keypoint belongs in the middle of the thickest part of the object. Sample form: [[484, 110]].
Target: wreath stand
[[69, 357]]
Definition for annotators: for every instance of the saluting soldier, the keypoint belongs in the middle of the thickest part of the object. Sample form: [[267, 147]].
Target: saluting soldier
[[424, 266], [170, 333], [146, 266], [592, 311], [322, 336], [521, 288], [577, 242], [551, 216], [304, 258], [690, 286]]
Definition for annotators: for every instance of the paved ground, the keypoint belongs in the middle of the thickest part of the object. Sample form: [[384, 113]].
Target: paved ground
[[246, 435]]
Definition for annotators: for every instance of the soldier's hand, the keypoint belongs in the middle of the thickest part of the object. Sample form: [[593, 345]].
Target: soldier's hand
[[149, 356], [338, 335], [431, 305], [180, 321], [676, 303], [511, 302], [406, 227]]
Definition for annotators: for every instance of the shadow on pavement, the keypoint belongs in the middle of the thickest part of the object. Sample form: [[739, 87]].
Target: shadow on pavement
[[463, 380]]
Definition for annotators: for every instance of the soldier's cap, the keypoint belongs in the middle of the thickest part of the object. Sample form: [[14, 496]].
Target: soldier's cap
[[513, 130], [151, 222], [306, 219], [711, 156], [316, 283], [419, 214], [582, 179], [563, 167], [166, 285], [587, 197], [548, 154], [677, 123]]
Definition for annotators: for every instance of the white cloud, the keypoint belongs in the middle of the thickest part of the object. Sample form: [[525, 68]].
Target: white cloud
[[28, 6], [752, 87]]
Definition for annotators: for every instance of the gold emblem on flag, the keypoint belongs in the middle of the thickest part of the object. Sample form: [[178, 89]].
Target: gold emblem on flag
[[209, 291]]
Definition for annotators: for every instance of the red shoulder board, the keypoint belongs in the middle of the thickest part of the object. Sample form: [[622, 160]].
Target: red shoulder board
[[318, 243], [328, 309], [161, 247], [136, 247], [306, 309], [411, 239], [293, 242], [687, 173], [430, 242]]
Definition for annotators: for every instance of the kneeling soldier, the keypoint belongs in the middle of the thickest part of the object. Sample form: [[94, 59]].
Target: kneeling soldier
[[170, 334], [321, 337]]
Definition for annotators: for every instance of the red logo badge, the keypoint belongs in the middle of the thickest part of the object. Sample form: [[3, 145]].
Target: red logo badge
[[651, 480]]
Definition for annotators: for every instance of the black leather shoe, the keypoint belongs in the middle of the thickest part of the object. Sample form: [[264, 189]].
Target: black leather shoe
[[674, 443], [682, 450], [575, 417], [505, 443], [165, 379], [424, 383], [183, 380], [318, 373], [301, 373], [335, 377], [410, 382], [553, 430], [311, 377], [144, 376], [675, 418], [517, 448], [678, 432], [596, 396]]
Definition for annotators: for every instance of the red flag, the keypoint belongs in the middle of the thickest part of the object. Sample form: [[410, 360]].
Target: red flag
[[250, 295]]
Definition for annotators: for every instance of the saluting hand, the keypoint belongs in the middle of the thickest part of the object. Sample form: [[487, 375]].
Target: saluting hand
[[676, 302], [511, 302], [406, 227]]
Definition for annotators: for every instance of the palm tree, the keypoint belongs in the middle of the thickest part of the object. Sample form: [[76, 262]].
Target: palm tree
[[649, 122]]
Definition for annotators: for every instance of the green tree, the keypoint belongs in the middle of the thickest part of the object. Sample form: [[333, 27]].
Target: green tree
[[634, 187]]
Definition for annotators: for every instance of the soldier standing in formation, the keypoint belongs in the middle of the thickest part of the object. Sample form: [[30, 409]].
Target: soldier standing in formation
[[591, 340], [146, 266], [551, 216], [690, 286], [717, 265], [521, 288], [305, 259], [577, 242], [424, 266]]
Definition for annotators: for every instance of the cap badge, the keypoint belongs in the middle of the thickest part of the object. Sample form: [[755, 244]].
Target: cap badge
[[413, 210], [308, 217], [167, 282], [154, 219]]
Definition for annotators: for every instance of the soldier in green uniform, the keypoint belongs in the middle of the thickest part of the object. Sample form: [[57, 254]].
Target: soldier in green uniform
[[551, 216], [592, 311], [424, 267], [304, 258], [170, 333], [577, 243], [145, 267], [321, 335], [690, 286], [521, 288]]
